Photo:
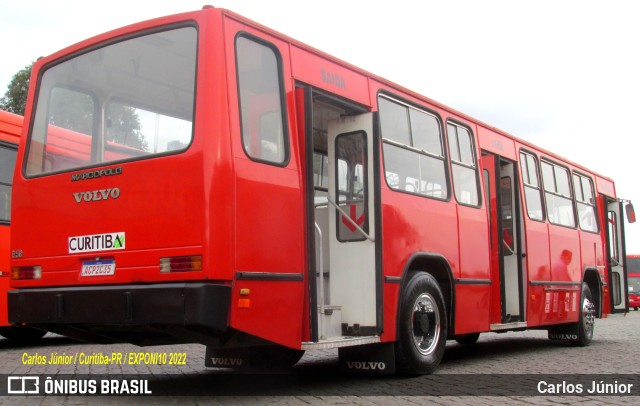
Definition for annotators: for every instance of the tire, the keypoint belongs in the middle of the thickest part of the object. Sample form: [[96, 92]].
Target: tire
[[22, 334], [468, 339], [422, 326], [586, 322]]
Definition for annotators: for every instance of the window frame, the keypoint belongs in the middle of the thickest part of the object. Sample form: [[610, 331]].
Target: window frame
[[594, 205], [350, 185], [13, 147], [410, 105], [282, 96], [474, 155], [114, 41], [539, 188], [571, 198]]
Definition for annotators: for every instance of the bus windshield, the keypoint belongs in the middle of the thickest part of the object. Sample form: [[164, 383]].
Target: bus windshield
[[125, 100]]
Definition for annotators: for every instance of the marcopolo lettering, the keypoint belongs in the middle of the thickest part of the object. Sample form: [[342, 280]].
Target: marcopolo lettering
[[97, 242], [95, 195], [96, 174]]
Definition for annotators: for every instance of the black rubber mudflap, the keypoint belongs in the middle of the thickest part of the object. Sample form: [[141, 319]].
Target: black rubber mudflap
[[226, 358], [564, 332], [369, 359]]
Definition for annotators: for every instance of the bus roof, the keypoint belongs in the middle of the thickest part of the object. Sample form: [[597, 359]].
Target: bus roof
[[10, 127], [603, 183]]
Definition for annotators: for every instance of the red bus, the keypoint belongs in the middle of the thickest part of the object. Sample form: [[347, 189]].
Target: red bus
[[10, 129], [633, 280], [248, 192]]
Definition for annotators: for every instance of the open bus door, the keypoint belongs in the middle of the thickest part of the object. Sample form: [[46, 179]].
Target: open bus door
[[619, 295], [354, 282], [348, 296], [507, 242]]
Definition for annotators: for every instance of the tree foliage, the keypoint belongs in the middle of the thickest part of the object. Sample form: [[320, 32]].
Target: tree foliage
[[76, 111], [15, 98]]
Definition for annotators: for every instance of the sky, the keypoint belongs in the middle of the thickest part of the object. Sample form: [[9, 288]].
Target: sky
[[563, 75]]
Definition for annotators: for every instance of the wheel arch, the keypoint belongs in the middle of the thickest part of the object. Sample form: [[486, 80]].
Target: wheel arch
[[437, 266], [592, 278]]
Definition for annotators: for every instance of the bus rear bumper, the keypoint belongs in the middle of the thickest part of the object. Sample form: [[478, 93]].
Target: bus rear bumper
[[167, 311]]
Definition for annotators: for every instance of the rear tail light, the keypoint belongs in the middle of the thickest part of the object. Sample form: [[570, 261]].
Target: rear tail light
[[26, 272], [181, 264]]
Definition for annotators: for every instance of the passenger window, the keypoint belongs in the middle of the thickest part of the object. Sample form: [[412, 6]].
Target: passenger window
[[586, 203], [463, 165], [558, 195], [413, 155], [7, 165], [262, 112], [532, 195], [320, 171], [394, 121], [351, 170]]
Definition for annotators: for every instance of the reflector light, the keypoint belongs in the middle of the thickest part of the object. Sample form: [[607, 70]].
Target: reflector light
[[26, 272], [181, 264]]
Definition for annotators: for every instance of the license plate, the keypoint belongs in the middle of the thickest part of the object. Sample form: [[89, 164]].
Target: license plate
[[99, 268]]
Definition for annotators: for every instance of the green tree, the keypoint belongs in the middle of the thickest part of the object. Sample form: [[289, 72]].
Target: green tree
[[15, 98], [75, 110], [123, 127]]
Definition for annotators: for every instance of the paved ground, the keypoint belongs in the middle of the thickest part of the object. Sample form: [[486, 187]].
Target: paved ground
[[316, 380]]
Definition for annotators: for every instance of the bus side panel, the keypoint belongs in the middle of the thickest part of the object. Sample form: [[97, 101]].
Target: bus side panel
[[604, 274], [5, 269], [212, 112], [324, 74], [10, 129], [537, 249], [269, 240], [413, 224], [472, 308], [565, 267], [537, 257], [473, 299], [591, 250]]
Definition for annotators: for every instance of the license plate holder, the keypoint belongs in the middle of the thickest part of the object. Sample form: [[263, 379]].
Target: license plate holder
[[103, 267]]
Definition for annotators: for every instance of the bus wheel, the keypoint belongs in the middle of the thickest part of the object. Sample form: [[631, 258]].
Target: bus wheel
[[22, 334], [587, 319], [468, 339], [422, 333]]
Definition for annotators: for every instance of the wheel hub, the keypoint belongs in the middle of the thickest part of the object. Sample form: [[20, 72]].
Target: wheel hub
[[588, 316], [426, 324]]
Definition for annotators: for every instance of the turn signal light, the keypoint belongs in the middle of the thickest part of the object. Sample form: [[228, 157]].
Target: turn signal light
[[26, 272], [181, 264]]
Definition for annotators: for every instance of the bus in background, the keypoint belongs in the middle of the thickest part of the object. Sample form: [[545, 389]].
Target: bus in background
[[10, 129], [633, 281], [202, 178]]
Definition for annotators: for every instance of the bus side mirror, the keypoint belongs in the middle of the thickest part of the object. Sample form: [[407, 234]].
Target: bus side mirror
[[631, 214]]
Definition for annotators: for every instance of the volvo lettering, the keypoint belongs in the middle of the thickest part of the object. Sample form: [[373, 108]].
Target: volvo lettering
[[93, 196]]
